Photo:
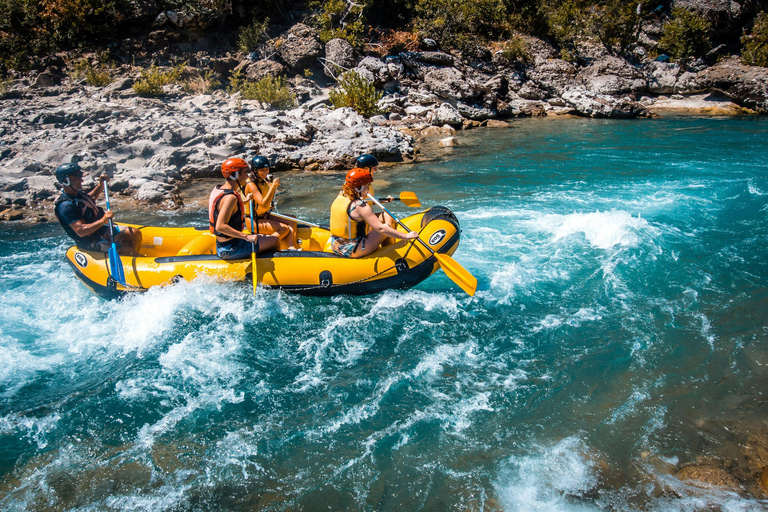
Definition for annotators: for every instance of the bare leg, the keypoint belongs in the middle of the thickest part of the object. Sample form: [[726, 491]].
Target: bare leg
[[268, 243], [129, 240]]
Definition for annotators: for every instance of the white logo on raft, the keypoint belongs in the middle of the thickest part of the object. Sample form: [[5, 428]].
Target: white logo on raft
[[81, 259], [437, 237]]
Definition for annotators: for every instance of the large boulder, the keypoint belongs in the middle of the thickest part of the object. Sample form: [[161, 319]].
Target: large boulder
[[421, 63], [553, 75], [745, 85], [339, 57], [300, 47], [259, 69], [592, 104], [613, 76], [450, 83]]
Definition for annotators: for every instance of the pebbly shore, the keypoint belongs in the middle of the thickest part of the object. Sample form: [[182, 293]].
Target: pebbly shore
[[152, 148]]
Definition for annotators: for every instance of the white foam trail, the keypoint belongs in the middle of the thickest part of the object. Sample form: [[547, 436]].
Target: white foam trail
[[544, 480]]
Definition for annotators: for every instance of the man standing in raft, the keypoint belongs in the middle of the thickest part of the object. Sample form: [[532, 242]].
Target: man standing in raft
[[226, 215], [356, 230], [85, 222]]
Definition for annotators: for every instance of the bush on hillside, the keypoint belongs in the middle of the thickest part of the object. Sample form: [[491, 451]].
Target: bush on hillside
[[460, 24], [152, 80], [273, 92], [755, 49], [341, 19], [516, 50], [249, 37], [686, 35], [99, 76], [355, 91]]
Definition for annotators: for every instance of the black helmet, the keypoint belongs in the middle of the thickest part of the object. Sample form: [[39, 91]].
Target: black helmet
[[367, 161], [259, 162], [64, 171]]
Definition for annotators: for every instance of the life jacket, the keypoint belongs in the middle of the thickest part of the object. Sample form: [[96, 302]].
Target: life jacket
[[236, 221], [89, 213], [263, 187], [342, 225]]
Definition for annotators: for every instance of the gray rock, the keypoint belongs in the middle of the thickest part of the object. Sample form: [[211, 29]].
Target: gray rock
[[151, 192], [339, 57], [300, 48], [255, 71], [614, 76], [593, 104], [661, 77], [450, 83], [553, 75], [745, 85], [445, 114]]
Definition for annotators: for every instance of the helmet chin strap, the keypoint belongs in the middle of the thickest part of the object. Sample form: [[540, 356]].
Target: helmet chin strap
[[66, 182]]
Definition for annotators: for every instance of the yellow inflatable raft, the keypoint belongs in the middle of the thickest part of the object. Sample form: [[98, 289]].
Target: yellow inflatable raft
[[174, 254]]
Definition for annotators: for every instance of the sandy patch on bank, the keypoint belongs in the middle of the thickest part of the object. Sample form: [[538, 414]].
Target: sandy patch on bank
[[704, 104]]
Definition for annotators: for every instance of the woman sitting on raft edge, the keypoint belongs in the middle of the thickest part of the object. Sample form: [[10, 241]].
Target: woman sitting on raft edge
[[226, 215], [263, 192], [356, 230]]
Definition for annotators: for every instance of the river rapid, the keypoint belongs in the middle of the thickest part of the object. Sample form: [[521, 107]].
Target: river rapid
[[615, 348]]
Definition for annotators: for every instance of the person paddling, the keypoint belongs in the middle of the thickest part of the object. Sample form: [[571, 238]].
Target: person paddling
[[356, 230], [84, 221], [226, 215], [263, 193]]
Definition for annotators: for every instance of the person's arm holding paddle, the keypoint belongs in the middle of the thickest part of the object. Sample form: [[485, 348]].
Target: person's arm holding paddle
[[227, 207]]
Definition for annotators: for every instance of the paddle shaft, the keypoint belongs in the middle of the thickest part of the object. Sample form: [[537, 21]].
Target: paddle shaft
[[398, 221], [111, 226], [254, 228], [114, 257], [285, 217]]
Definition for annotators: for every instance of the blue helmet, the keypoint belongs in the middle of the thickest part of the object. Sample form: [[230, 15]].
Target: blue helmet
[[367, 161], [64, 171], [259, 162]]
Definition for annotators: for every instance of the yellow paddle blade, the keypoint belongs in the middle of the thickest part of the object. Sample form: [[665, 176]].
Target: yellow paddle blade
[[253, 271], [410, 199], [457, 273]]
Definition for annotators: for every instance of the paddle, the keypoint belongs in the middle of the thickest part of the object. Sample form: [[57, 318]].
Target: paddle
[[114, 259], [286, 217], [254, 229], [452, 269], [408, 199]]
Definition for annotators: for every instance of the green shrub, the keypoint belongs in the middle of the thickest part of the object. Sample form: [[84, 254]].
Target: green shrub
[[357, 92], [249, 37], [755, 50], [340, 19], [566, 21], [100, 76], [686, 35], [152, 80], [459, 23], [272, 91], [616, 24], [516, 50]]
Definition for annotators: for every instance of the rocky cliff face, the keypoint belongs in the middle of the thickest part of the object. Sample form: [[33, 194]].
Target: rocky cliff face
[[152, 146]]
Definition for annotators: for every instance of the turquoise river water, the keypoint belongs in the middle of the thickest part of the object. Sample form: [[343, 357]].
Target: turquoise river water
[[617, 342]]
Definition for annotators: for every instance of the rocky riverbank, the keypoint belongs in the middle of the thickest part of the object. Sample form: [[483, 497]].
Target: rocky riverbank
[[153, 147]]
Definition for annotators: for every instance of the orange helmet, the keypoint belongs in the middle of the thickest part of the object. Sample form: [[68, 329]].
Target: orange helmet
[[233, 166], [358, 177]]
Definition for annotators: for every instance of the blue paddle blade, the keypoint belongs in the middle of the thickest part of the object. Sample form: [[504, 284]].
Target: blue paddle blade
[[117, 265]]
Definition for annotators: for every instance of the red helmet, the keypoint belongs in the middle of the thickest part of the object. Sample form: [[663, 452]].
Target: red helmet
[[233, 166], [358, 177]]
